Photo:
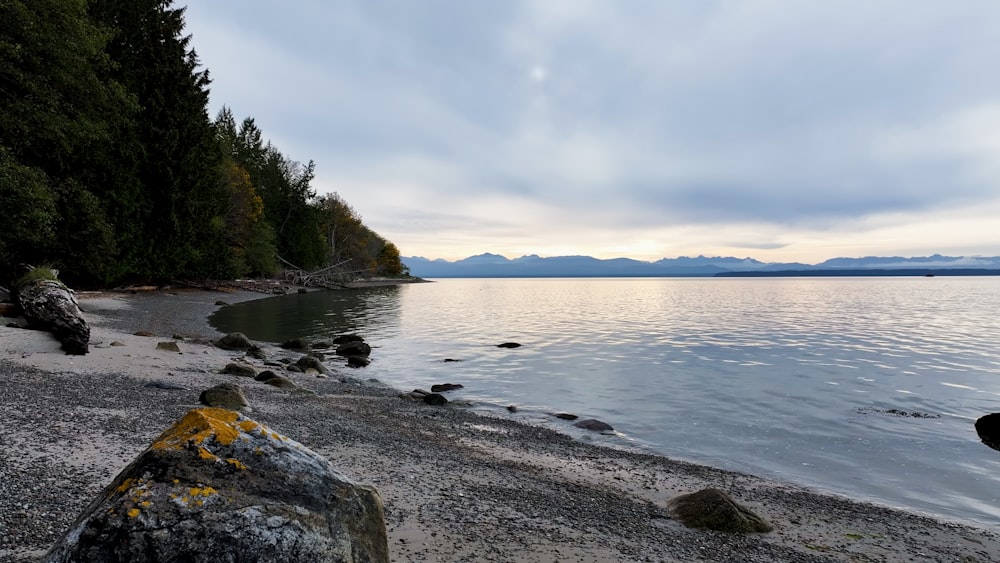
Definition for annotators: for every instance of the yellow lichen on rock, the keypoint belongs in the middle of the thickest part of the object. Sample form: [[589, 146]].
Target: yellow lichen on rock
[[133, 513], [236, 463], [199, 425]]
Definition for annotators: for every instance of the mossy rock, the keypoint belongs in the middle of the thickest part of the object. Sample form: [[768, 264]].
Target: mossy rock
[[713, 509]]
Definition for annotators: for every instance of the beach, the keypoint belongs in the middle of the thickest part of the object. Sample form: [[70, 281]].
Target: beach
[[457, 486]]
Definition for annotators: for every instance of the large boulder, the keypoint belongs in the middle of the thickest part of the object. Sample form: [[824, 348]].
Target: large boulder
[[713, 509], [47, 304], [218, 486]]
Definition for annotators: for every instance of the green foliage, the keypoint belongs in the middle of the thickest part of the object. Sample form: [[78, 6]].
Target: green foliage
[[111, 168], [29, 215], [35, 273]]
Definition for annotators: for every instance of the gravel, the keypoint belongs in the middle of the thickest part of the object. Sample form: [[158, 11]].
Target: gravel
[[457, 486]]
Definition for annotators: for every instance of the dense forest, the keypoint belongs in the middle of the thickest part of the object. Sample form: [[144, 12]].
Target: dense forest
[[113, 171]]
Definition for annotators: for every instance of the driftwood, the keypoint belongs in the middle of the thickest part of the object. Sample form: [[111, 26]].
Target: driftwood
[[50, 305]]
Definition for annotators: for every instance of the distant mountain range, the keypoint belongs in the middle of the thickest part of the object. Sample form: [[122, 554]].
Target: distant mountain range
[[532, 266]]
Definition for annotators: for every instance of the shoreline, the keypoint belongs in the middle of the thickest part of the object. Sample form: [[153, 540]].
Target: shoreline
[[457, 485]]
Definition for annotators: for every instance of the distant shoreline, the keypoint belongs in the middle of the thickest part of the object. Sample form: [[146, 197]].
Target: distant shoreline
[[897, 272]]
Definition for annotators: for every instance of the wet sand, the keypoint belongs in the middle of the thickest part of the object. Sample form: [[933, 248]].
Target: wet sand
[[457, 486]]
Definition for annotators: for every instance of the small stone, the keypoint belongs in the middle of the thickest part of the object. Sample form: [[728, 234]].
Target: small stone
[[168, 346], [241, 370], [281, 382], [509, 345], [143, 333]]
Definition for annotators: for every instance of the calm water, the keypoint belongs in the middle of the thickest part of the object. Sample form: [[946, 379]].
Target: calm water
[[767, 376]]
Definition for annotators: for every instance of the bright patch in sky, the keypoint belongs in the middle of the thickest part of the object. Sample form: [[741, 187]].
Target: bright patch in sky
[[779, 129]]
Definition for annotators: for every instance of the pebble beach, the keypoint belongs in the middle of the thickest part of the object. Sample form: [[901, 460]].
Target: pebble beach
[[457, 486]]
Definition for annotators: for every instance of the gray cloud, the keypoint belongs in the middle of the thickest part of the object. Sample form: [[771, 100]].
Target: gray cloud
[[780, 113]]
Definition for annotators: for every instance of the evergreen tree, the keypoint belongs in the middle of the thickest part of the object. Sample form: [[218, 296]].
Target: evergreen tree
[[178, 162]]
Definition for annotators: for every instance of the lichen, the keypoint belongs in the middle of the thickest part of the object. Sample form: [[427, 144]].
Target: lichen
[[236, 463], [133, 513], [200, 425]]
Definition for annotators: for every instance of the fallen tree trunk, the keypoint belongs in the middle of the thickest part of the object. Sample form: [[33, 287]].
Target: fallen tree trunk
[[50, 305]]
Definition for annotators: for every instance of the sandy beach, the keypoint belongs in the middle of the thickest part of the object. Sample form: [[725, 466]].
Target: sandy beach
[[457, 486]]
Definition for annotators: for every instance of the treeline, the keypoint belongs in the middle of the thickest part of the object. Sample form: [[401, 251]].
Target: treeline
[[112, 171]]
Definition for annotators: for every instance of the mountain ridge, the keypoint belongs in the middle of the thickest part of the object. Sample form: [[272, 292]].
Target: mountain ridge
[[531, 265]]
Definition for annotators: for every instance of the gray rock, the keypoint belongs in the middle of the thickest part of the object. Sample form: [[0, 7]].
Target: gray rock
[[218, 486], [225, 395], [168, 346], [241, 370], [593, 425], [234, 341], [435, 399], [256, 352], [311, 362], [358, 361], [265, 375], [282, 382], [293, 368], [48, 304], [713, 509]]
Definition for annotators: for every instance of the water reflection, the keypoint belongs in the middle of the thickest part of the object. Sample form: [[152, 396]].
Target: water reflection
[[313, 315]]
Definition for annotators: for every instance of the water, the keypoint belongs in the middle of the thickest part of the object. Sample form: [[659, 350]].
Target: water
[[774, 377]]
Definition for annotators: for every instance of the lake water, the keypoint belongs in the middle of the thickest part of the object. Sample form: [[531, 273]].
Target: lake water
[[785, 378]]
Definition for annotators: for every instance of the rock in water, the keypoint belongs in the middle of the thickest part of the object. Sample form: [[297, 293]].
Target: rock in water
[[354, 348], [715, 510], [988, 428], [50, 305], [592, 424], [218, 486]]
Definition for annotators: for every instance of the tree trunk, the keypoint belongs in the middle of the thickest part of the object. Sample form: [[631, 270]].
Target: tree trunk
[[50, 305]]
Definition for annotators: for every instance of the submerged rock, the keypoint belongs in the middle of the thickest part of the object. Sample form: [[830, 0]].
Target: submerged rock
[[713, 509], [444, 387], [593, 425], [509, 345], [354, 348], [565, 416], [358, 361], [218, 486], [345, 338], [295, 344]]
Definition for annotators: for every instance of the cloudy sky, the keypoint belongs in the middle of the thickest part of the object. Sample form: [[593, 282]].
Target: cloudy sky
[[779, 129]]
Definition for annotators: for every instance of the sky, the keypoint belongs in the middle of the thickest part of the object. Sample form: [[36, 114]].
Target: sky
[[779, 129]]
